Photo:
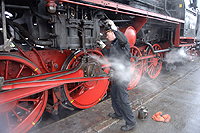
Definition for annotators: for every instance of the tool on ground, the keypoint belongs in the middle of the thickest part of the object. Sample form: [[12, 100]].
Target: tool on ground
[[143, 112]]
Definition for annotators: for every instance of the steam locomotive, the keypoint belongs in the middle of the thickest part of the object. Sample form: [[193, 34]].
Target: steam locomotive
[[47, 50]]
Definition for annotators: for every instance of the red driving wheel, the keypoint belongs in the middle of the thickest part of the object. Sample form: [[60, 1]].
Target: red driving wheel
[[136, 68], [20, 115], [154, 65], [85, 94]]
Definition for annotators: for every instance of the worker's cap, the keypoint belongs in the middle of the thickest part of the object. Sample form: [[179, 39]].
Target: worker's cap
[[107, 29]]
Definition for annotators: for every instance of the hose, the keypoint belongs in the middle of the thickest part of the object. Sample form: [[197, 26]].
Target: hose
[[27, 34], [48, 18]]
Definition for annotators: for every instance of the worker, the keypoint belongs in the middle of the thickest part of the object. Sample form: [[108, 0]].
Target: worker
[[119, 49]]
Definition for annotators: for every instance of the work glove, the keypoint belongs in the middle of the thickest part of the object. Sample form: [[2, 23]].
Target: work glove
[[101, 44], [111, 24]]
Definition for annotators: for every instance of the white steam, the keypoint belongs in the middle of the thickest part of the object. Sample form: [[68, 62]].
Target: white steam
[[122, 69], [176, 55]]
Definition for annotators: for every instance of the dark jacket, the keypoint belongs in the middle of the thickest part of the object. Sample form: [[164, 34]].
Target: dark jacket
[[119, 49]]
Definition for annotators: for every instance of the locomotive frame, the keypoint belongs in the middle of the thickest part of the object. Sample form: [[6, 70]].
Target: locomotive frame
[[49, 55]]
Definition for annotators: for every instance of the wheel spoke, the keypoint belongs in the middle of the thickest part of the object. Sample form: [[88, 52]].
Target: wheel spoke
[[151, 64], [150, 61], [81, 90], [154, 72], [151, 70], [29, 99], [20, 71], [6, 71], [8, 121], [134, 74], [75, 88], [136, 71], [20, 119], [137, 64], [28, 110]]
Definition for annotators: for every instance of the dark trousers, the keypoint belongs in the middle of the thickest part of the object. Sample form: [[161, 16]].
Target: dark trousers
[[120, 102]]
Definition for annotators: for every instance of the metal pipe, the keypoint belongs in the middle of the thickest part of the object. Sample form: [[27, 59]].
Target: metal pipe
[[48, 18], [171, 41], [10, 23], [166, 8], [27, 34], [150, 45], [3, 21], [121, 21], [163, 50], [157, 51], [19, 7], [83, 42], [188, 48]]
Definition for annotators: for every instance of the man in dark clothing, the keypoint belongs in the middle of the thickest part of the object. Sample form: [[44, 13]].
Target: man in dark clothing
[[119, 50]]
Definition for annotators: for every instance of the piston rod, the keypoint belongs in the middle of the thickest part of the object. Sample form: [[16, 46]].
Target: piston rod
[[163, 50]]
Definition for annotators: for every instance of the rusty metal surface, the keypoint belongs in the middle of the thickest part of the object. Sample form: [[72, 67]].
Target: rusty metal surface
[[175, 93]]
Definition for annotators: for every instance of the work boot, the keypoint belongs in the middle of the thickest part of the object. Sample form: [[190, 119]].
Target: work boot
[[114, 115], [128, 127]]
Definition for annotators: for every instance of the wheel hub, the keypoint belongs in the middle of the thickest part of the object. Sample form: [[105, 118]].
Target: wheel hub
[[90, 83]]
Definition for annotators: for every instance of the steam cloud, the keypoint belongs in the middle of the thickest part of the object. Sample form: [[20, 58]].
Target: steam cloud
[[176, 55], [122, 69]]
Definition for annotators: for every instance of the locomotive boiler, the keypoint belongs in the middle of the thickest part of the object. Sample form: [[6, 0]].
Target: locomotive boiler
[[49, 55]]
